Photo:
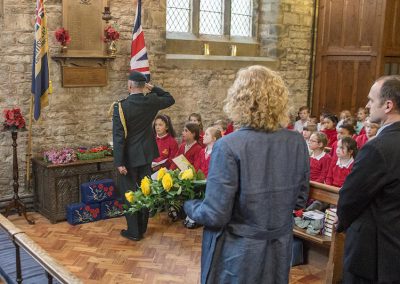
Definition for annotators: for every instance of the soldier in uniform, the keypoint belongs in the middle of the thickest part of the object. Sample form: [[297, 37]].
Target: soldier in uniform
[[134, 142]]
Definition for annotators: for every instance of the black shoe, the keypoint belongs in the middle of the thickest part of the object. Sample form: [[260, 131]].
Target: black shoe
[[173, 214], [125, 234]]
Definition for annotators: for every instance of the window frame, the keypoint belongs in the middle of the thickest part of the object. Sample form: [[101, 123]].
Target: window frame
[[194, 25]]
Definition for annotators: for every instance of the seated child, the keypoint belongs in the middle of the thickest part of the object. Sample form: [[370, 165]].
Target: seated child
[[362, 114], [341, 167], [319, 160], [190, 147], [345, 130], [370, 132], [330, 121], [344, 114], [304, 113], [165, 137], [196, 118], [221, 125], [307, 132], [211, 135], [313, 120]]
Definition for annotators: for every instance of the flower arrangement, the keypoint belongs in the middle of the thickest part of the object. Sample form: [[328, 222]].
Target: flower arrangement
[[93, 153], [110, 34], [62, 36], [169, 189], [13, 119], [63, 156]]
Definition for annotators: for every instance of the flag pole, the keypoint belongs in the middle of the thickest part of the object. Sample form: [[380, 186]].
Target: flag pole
[[29, 146]]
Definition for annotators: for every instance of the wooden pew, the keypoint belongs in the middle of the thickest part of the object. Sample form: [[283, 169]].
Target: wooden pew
[[328, 194]]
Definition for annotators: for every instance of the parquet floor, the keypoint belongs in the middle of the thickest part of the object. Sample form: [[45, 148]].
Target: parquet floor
[[96, 253]]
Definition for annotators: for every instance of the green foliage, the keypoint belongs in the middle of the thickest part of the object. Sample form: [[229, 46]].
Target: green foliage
[[161, 198]]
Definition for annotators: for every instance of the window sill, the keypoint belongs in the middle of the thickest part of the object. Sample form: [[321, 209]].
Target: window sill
[[210, 38], [190, 61]]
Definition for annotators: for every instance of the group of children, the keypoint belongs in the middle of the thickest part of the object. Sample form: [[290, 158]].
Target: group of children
[[333, 143], [196, 145]]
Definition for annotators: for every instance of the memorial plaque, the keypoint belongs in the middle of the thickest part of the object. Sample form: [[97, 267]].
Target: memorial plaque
[[82, 18], [84, 76]]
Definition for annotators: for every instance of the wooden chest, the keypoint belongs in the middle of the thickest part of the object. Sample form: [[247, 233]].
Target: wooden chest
[[56, 186]]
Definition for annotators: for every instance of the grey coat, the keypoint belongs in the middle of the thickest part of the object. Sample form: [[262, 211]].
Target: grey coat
[[255, 180]]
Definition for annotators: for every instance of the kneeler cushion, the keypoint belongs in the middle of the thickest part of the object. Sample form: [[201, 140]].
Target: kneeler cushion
[[111, 209], [98, 191], [79, 213]]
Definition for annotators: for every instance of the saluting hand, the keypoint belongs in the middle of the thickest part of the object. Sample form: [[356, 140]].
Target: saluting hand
[[122, 170], [149, 86]]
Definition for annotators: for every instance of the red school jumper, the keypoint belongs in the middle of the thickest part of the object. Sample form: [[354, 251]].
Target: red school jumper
[[319, 167], [202, 162], [337, 173], [167, 147], [331, 134], [361, 140], [190, 155]]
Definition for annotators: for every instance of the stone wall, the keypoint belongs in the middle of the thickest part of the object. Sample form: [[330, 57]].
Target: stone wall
[[78, 116]]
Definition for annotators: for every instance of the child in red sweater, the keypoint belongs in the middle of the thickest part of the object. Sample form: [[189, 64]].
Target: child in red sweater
[[165, 137], [344, 130], [340, 168], [370, 132], [330, 122], [211, 135], [190, 147], [319, 160], [196, 118]]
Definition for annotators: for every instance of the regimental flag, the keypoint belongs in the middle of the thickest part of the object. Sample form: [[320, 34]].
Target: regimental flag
[[40, 66], [139, 60]]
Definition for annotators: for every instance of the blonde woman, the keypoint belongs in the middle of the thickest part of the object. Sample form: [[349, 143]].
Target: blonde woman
[[258, 175]]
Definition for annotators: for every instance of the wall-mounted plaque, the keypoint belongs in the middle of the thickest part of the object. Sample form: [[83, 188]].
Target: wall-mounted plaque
[[82, 18], [84, 76]]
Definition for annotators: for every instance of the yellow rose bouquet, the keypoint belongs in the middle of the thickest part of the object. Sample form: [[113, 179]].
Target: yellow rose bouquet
[[167, 189]]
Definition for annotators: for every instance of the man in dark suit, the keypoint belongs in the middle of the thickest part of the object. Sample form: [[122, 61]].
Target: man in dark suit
[[369, 201], [134, 142]]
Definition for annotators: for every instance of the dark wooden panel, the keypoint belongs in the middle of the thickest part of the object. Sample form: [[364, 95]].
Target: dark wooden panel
[[344, 83], [350, 26], [392, 28]]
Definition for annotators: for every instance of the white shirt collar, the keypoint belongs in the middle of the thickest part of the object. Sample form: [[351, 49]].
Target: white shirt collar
[[319, 157], [187, 147], [346, 165]]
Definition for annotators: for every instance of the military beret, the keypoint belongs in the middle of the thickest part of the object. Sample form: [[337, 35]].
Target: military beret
[[137, 76]]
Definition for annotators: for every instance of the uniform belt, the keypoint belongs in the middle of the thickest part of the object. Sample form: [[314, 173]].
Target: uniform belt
[[251, 232]]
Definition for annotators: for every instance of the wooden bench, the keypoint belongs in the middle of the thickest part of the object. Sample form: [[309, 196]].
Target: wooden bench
[[328, 194]]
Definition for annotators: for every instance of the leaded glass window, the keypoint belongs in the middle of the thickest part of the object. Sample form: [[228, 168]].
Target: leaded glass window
[[211, 17], [178, 15], [241, 17]]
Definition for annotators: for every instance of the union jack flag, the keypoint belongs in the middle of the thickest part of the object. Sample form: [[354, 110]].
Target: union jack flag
[[139, 60]]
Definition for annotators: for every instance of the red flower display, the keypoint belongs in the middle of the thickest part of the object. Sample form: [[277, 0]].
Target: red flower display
[[62, 36], [13, 119], [110, 34]]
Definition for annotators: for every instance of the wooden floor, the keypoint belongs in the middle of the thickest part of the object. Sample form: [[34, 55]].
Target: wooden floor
[[96, 253]]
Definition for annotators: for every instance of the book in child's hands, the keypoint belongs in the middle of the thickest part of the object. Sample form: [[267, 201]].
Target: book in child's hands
[[155, 164], [181, 162]]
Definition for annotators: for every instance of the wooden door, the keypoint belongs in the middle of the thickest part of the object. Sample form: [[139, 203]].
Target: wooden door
[[347, 56]]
